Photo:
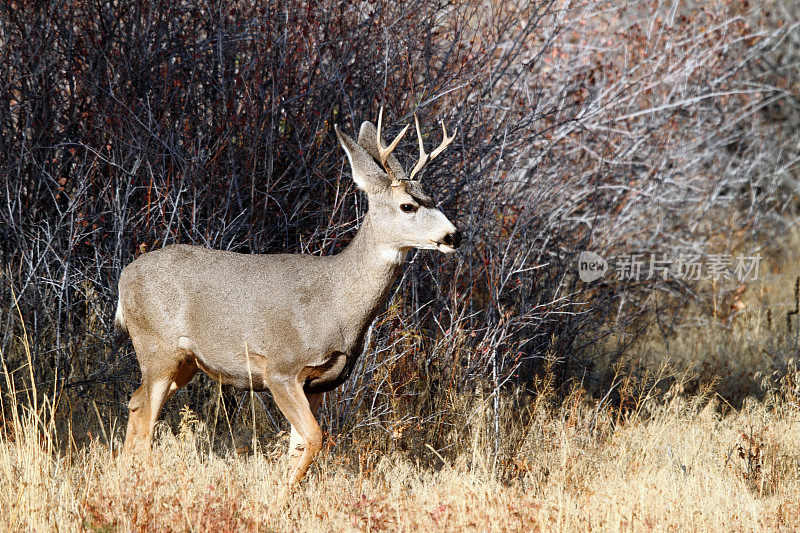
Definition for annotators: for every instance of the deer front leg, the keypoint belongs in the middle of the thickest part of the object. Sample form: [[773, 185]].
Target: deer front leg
[[295, 406], [296, 445]]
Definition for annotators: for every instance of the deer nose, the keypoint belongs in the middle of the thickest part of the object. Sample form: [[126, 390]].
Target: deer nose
[[453, 240]]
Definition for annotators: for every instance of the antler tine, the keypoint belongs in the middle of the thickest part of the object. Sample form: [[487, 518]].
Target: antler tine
[[384, 153], [445, 141], [424, 158]]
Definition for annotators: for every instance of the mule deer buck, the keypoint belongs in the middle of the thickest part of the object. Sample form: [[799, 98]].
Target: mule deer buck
[[290, 323]]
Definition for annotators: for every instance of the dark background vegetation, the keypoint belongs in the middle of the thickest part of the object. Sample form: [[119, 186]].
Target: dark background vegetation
[[126, 126]]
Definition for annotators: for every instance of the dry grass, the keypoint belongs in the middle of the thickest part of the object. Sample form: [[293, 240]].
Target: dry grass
[[646, 456], [668, 462]]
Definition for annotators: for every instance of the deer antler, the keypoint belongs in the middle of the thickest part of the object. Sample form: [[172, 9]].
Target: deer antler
[[424, 158], [384, 153]]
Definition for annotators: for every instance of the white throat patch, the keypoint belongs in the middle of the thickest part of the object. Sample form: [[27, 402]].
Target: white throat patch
[[393, 255]]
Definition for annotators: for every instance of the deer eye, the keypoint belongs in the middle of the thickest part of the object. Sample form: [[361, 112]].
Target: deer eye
[[408, 208]]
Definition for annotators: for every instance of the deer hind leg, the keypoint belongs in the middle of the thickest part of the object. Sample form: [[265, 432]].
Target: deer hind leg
[[291, 399], [138, 412], [144, 407], [146, 403], [296, 443]]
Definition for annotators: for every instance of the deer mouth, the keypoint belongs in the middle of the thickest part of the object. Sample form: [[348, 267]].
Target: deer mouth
[[449, 243], [442, 247]]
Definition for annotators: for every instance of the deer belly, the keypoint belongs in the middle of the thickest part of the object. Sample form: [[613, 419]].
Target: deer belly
[[237, 369]]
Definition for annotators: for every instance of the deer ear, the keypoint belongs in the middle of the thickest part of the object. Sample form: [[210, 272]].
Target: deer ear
[[366, 173], [368, 140]]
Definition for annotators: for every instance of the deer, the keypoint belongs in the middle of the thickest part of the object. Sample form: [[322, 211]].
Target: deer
[[293, 324]]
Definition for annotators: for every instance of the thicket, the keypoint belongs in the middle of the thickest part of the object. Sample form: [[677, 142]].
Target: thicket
[[611, 127]]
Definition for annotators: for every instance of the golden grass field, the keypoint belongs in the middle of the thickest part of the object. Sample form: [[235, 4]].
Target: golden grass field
[[674, 463], [670, 453], [683, 466]]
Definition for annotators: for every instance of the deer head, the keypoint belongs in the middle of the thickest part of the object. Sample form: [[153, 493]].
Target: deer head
[[402, 214]]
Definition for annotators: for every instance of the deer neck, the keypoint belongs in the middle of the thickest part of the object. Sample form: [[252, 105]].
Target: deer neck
[[368, 267]]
